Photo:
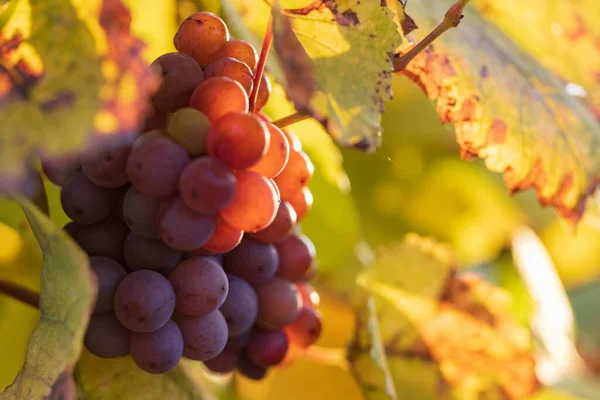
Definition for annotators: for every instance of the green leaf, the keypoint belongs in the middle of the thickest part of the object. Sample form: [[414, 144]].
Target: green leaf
[[508, 109], [68, 291], [7, 10]]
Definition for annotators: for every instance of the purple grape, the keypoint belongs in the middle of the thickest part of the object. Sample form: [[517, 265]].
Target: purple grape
[[143, 253], [106, 164], [279, 303], [72, 228], [207, 185], [225, 362], [154, 166], [140, 213], [240, 341], [158, 351], [249, 369], [84, 202], [109, 273], [144, 301], [200, 286], [252, 261], [117, 210], [105, 238], [60, 169], [267, 348], [204, 337], [182, 229], [240, 307], [296, 257], [106, 337]]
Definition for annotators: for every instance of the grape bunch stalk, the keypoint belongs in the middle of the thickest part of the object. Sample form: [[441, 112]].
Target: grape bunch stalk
[[191, 226]]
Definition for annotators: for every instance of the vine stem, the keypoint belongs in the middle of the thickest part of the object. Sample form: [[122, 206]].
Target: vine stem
[[20, 293], [260, 68], [290, 119], [452, 19]]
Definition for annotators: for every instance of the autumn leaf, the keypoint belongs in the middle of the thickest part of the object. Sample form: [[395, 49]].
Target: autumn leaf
[[508, 109], [68, 293]]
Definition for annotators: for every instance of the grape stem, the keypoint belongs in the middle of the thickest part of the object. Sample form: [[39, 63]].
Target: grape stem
[[290, 119], [260, 68], [20, 293], [451, 20]]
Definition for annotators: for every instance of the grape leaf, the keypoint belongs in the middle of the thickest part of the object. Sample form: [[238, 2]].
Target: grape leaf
[[508, 109], [446, 335], [78, 73], [68, 292]]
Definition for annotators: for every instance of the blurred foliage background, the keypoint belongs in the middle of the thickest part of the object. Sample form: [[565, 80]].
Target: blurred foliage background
[[415, 182]]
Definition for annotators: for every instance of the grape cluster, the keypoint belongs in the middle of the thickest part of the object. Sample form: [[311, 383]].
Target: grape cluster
[[191, 226]]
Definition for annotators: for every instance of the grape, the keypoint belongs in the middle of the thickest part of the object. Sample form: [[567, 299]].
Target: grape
[[154, 166], [106, 337], [73, 228], [144, 301], [296, 256], [310, 297], [241, 50], [280, 227], [218, 96], [249, 369], [202, 35], [105, 238], [240, 307], [295, 144], [158, 351], [26, 182], [240, 341], [278, 303], [267, 348], [239, 139], [264, 91], [117, 210], [225, 237], [151, 135], [140, 213], [189, 127], [204, 337], [60, 169], [206, 185], [254, 203], [252, 261], [277, 154], [225, 362], [201, 253], [143, 253], [106, 164], [156, 119], [200, 286], [84, 202], [109, 273], [231, 68], [302, 202], [183, 229], [306, 328], [295, 175], [180, 75]]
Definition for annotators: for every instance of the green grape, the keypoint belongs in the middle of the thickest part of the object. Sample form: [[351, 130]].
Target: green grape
[[189, 127]]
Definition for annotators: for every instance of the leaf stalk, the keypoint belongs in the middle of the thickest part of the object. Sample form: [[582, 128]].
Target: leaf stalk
[[20, 293]]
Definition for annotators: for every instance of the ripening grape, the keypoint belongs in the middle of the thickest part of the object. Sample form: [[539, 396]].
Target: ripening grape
[[224, 239], [231, 68], [183, 229], [296, 256], [277, 154], [109, 273], [140, 213], [296, 174], [105, 238], [310, 297], [225, 362], [200, 286], [293, 140], [240, 307], [144, 301], [218, 96], [278, 303], [158, 351], [189, 127], [202, 35], [154, 166], [264, 91], [241, 50], [302, 202], [152, 254], [204, 337], [240, 140], [249, 369], [206, 185], [267, 348], [106, 337], [252, 261], [282, 225], [84, 202], [306, 328], [106, 164], [240, 341], [254, 203], [61, 168], [180, 75]]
